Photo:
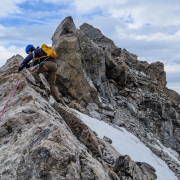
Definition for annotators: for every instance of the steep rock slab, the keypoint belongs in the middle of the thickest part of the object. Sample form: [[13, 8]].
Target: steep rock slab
[[93, 60], [71, 74], [72, 78], [114, 58], [35, 142], [80, 130], [92, 56], [99, 148]]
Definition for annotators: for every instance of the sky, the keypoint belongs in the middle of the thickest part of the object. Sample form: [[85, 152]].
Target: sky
[[149, 29], [128, 144]]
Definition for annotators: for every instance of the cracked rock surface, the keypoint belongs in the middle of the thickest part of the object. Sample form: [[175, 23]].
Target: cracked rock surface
[[43, 140]]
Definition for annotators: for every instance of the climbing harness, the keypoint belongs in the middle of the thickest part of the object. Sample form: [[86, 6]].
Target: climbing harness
[[16, 86]]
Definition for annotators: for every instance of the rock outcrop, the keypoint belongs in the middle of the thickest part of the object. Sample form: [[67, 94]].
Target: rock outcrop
[[40, 140], [92, 67]]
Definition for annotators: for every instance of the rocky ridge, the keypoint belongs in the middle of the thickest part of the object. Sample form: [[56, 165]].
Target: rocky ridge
[[39, 140]]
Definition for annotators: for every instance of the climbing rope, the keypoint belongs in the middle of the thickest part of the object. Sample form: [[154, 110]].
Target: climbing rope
[[14, 90]]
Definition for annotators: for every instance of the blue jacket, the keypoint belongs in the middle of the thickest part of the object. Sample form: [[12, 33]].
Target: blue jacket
[[26, 62]]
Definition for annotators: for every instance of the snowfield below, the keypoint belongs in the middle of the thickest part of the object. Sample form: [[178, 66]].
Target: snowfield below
[[128, 144]]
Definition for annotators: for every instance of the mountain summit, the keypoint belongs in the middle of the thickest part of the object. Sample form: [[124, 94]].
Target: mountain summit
[[43, 139]]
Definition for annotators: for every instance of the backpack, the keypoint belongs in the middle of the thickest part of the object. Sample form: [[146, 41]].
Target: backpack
[[50, 53]]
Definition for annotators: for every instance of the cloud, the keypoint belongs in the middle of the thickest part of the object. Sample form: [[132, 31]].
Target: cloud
[[7, 53], [159, 36], [27, 34], [10, 7], [141, 12], [174, 86], [172, 68], [84, 7], [57, 1]]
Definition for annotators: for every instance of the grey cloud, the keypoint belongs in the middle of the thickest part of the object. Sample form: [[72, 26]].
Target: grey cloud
[[28, 34]]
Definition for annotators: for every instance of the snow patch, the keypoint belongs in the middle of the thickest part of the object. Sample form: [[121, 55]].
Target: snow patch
[[128, 144]]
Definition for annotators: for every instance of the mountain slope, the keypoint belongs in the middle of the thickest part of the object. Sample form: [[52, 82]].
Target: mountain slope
[[41, 139], [128, 144]]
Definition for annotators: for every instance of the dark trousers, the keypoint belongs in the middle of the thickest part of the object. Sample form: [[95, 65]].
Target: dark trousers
[[51, 68]]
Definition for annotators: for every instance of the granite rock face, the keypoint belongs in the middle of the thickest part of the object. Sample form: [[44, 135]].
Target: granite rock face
[[39, 140]]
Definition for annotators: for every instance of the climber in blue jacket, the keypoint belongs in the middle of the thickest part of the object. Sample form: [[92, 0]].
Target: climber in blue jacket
[[49, 67]]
